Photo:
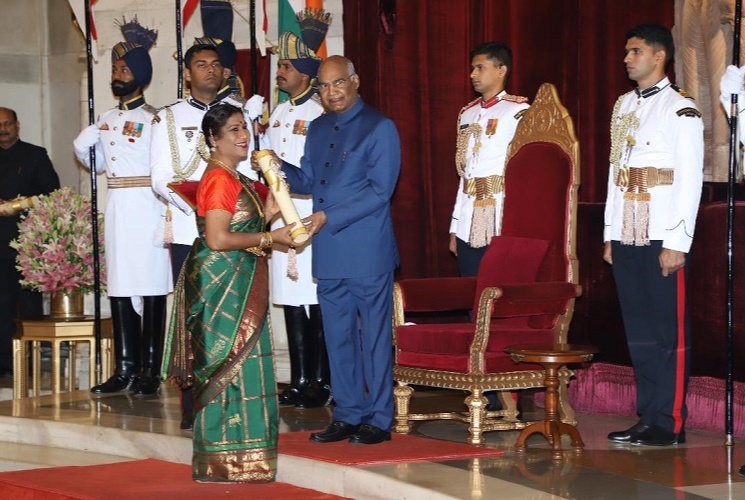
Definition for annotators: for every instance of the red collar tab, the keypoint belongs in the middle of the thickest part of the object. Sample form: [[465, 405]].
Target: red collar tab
[[491, 102]]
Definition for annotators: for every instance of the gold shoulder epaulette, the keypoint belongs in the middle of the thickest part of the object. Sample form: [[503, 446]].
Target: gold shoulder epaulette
[[469, 105], [690, 112], [463, 109], [514, 98], [238, 98], [520, 113], [153, 111], [681, 91]]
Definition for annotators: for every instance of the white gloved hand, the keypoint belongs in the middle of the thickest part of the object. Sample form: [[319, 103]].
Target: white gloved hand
[[732, 81], [254, 106], [88, 137]]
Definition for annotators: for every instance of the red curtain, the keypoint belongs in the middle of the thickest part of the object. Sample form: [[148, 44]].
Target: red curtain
[[243, 69], [419, 77]]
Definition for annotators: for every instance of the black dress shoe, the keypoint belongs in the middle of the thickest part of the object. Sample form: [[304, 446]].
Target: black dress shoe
[[657, 436], [117, 383], [369, 434], [187, 420], [337, 431], [146, 386], [629, 434]]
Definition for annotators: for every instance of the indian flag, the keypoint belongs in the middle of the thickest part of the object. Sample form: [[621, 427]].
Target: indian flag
[[287, 21]]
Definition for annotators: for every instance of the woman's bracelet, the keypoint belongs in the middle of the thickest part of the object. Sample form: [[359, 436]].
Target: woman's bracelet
[[265, 242]]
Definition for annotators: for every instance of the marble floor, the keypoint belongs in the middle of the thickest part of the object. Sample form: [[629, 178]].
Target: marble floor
[[74, 429]]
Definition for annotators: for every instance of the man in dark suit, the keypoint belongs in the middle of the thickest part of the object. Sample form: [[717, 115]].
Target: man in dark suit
[[350, 167], [25, 170]]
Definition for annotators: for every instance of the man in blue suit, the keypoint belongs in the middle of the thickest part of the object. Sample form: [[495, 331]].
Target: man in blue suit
[[350, 166]]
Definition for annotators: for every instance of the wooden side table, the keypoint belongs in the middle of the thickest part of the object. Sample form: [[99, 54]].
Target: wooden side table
[[552, 357], [56, 331]]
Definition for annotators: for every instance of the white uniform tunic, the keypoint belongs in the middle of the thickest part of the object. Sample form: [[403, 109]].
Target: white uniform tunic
[[137, 262], [665, 131], [187, 131], [286, 135], [485, 154]]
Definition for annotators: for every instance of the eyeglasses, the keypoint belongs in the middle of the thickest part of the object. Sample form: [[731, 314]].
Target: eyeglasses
[[339, 82]]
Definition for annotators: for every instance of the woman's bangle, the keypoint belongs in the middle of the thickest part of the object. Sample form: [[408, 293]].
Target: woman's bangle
[[265, 242]]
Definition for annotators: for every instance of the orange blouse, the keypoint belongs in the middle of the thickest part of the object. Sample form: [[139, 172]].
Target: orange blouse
[[218, 190]]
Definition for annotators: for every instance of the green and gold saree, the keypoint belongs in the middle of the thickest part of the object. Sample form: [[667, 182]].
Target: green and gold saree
[[219, 341]]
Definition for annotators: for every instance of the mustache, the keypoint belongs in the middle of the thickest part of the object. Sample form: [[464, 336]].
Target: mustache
[[118, 83]]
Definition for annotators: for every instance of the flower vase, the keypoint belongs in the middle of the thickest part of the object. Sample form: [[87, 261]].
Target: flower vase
[[67, 304]]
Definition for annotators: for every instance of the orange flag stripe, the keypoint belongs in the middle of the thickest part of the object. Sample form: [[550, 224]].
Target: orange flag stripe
[[318, 4]]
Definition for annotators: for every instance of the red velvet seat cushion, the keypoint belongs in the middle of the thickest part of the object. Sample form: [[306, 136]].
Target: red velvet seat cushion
[[447, 346]]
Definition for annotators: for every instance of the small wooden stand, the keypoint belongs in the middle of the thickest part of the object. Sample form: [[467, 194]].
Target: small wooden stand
[[552, 357]]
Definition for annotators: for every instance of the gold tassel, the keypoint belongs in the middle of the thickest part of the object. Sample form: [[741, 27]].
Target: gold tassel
[[627, 227], [292, 264], [635, 226], [642, 220], [483, 222], [168, 232]]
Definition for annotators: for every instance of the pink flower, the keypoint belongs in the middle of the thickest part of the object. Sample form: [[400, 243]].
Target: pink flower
[[55, 244]]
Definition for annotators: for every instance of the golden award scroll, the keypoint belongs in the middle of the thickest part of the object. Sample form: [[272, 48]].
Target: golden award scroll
[[272, 170], [19, 204]]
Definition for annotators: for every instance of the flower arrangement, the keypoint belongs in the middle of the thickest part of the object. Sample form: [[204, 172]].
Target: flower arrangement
[[55, 244]]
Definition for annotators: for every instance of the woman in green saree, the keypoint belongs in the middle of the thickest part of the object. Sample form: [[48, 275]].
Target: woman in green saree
[[219, 340]]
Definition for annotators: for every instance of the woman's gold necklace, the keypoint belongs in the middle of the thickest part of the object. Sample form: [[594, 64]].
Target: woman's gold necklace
[[232, 171]]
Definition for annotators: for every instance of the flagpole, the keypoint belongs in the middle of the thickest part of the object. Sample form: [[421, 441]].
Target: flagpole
[[254, 67], [734, 148], [94, 197], [179, 53]]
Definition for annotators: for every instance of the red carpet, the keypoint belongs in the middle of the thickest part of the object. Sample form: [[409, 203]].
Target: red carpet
[[141, 479], [401, 448]]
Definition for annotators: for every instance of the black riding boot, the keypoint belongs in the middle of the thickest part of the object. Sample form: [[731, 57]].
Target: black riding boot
[[127, 331], [296, 323], [153, 328], [319, 392]]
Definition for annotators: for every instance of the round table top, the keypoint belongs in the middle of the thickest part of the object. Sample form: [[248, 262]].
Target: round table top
[[551, 353], [551, 350]]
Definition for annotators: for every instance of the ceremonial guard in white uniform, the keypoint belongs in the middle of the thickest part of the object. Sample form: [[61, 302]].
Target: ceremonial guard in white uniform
[[292, 283], [138, 274], [486, 127], [179, 150], [654, 189]]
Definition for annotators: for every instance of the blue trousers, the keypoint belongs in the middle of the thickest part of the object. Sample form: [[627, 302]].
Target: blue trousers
[[469, 258], [657, 331], [357, 319]]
